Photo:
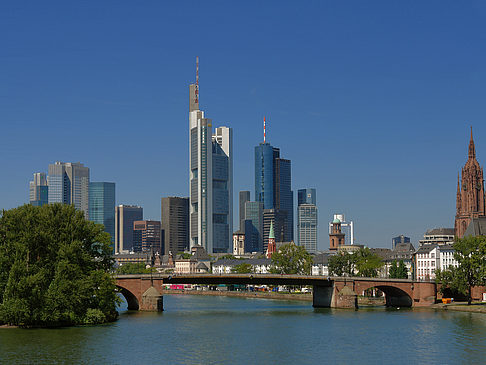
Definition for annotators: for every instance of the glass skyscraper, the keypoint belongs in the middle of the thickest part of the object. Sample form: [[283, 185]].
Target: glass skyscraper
[[38, 190], [125, 216], [210, 180], [273, 187], [69, 184], [307, 219], [102, 205], [253, 226]]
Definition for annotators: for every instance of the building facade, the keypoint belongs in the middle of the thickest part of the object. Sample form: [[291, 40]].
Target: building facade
[[336, 237], [253, 226], [102, 205], [437, 236], [175, 224], [399, 239], [470, 199], [244, 196], [210, 180], [125, 215], [69, 184], [147, 236], [307, 219], [38, 190]]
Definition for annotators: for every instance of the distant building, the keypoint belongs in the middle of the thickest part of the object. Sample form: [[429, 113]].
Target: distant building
[[347, 228], [427, 261], [38, 190], [271, 247], [244, 197], [226, 266], [210, 180], [320, 264], [175, 224], [401, 252], [438, 236], [470, 197], [399, 239], [277, 218], [69, 184], [125, 215], [102, 205], [477, 227], [253, 227], [238, 243], [307, 219], [336, 237], [199, 262], [147, 236]]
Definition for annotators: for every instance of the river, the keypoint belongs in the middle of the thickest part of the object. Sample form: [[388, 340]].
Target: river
[[226, 330]]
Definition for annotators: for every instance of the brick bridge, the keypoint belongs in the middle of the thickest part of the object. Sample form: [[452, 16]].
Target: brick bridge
[[143, 292]]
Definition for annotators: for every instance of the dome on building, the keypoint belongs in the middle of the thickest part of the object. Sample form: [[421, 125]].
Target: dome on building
[[336, 221]]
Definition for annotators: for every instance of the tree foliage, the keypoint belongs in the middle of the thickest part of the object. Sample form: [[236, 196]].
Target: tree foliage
[[398, 270], [242, 268], [470, 254], [360, 263], [134, 268], [291, 259], [54, 268]]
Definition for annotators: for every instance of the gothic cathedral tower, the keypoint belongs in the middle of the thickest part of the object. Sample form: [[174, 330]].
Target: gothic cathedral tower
[[470, 201]]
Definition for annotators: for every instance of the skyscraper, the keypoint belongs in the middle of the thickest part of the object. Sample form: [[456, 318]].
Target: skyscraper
[[147, 236], [307, 219], [244, 197], [69, 184], [273, 184], [102, 205], [253, 226], [38, 190], [210, 179], [175, 224], [125, 215]]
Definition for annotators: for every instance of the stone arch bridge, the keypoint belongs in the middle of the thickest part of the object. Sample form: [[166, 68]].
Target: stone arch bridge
[[144, 292]]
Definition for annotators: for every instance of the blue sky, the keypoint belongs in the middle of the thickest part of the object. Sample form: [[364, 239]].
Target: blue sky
[[372, 101]]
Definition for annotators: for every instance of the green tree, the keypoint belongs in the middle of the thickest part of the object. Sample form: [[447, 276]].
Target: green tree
[[242, 268], [398, 270], [134, 268], [54, 268], [470, 254], [291, 259], [341, 264], [367, 263]]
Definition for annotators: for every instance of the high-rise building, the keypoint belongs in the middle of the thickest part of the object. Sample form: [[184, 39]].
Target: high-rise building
[[38, 190], [147, 236], [125, 215], [307, 219], [273, 185], [102, 205], [175, 224], [253, 226], [69, 184], [244, 197], [399, 239], [210, 179], [470, 197]]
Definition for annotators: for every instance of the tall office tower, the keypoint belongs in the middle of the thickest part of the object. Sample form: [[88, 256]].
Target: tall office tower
[[307, 219], [102, 205], [38, 190], [244, 197], [277, 218], [175, 224], [147, 236], [253, 226], [210, 179], [125, 215], [273, 186], [69, 184]]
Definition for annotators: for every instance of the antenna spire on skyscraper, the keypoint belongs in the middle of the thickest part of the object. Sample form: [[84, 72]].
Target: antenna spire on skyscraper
[[196, 89], [264, 131]]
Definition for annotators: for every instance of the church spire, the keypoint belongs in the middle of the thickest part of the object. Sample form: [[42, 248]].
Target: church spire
[[472, 150]]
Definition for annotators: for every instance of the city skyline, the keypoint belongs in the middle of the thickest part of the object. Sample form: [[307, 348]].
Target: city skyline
[[383, 101]]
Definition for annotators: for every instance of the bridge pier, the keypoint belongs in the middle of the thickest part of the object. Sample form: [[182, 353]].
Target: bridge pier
[[152, 300], [339, 295]]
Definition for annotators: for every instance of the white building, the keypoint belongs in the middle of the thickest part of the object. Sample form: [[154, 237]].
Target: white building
[[429, 258], [225, 266], [210, 180], [438, 236], [446, 257], [320, 265]]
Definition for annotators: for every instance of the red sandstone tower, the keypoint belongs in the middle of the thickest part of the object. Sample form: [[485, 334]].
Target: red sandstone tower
[[272, 247], [336, 237], [470, 201]]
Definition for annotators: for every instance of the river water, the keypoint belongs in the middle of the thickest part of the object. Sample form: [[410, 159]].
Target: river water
[[225, 330]]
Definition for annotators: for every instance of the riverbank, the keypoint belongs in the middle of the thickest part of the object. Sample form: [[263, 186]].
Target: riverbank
[[462, 307], [244, 294]]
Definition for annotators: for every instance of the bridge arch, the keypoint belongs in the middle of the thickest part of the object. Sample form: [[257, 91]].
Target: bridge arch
[[132, 300], [394, 295]]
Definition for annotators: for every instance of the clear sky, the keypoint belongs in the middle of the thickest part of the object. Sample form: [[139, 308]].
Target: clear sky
[[372, 101]]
